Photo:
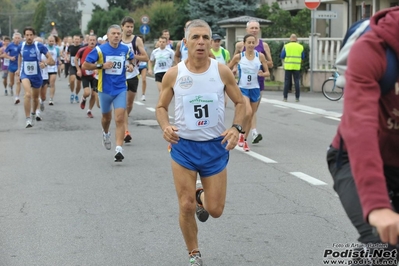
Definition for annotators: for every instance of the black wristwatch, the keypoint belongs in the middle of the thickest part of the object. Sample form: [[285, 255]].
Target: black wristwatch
[[238, 127], [99, 66]]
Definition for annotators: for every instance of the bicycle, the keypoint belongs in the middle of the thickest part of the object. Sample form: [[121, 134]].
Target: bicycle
[[330, 89]]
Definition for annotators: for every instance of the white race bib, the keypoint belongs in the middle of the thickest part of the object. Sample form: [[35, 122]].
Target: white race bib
[[250, 79], [30, 68], [162, 65], [118, 64], [72, 61], [89, 72], [201, 111], [6, 62]]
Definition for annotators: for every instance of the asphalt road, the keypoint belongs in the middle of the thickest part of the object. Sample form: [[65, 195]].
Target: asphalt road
[[65, 202]]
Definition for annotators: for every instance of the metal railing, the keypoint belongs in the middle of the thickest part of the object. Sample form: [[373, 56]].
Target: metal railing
[[324, 52]]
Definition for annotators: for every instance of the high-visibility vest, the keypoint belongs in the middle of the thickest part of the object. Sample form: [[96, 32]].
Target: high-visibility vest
[[293, 56]]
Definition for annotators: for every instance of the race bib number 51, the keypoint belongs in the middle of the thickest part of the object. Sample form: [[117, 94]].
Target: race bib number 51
[[200, 111]]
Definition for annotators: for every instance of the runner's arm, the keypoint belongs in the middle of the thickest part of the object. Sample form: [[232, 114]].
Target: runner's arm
[[268, 55], [143, 56], [234, 93], [178, 53], [233, 63], [165, 98], [50, 60], [265, 72]]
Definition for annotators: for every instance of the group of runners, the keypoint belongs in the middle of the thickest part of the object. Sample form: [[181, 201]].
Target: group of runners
[[199, 74]]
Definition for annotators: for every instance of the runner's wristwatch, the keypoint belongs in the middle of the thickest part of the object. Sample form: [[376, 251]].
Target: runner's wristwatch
[[238, 127], [99, 66]]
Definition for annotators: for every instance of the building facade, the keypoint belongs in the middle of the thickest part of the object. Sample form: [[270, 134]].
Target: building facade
[[87, 9], [348, 11]]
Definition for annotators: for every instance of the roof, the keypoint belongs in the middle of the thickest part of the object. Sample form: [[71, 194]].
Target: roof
[[243, 20]]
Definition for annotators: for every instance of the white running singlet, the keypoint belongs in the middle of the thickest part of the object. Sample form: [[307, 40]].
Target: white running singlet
[[248, 72], [199, 103], [163, 59], [135, 72]]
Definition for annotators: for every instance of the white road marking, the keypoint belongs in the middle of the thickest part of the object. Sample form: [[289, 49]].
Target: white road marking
[[308, 178], [303, 108], [150, 109], [333, 118], [279, 106], [255, 155], [138, 103], [306, 112]]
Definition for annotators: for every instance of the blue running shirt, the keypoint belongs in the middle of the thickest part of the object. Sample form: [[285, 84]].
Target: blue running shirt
[[111, 81], [12, 50], [31, 58]]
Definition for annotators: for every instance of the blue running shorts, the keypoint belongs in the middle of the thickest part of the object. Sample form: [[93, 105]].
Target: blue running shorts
[[252, 94], [106, 101], [35, 81], [12, 68], [208, 158]]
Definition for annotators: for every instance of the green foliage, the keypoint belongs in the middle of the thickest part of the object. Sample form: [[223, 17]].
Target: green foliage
[[277, 46], [102, 19], [39, 15], [141, 3], [66, 16], [214, 11], [159, 12], [176, 28], [283, 23], [275, 49], [124, 4]]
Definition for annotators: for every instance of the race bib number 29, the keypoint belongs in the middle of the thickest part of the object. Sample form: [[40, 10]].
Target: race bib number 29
[[117, 65], [201, 111]]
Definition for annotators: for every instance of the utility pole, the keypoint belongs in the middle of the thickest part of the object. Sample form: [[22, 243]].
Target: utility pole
[[10, 15]]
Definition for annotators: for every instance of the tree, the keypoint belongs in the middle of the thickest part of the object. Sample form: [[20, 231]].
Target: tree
[[39, 15], [176, 28], [284, 24], [101, 19], [160, 12], [124, 4], [214, 11], [66, 16], [7, 8]]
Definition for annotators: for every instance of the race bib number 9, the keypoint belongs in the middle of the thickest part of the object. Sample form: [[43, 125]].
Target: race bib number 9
[[30, 67], [201, 111], [117, 66]]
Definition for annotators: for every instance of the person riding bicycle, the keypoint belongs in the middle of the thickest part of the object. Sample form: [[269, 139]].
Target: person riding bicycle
[[364, 155]]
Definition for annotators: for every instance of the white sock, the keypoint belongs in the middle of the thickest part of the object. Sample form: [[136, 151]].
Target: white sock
[[118, 149], [254, 132]]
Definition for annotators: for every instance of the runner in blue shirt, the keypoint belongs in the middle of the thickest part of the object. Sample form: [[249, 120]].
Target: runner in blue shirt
[[110, 60], [12, 54], [29, 63]]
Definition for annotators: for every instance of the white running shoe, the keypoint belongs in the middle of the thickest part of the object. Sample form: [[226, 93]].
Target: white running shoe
[[28, 123], [107, 140], [118, 154], [143, 98], [38, 116]]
